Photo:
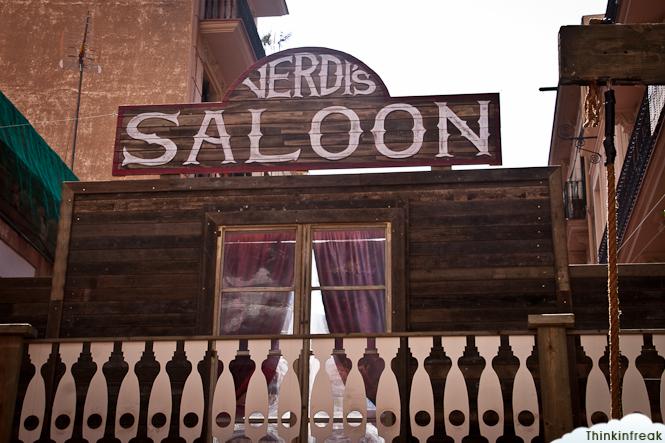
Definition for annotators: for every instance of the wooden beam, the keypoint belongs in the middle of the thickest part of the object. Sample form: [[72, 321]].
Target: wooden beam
[[624, 54]]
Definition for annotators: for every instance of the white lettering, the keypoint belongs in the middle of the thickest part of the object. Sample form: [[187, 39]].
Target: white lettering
[[255, 134], [259, 91], [273, 77], [299, 73], [354, 132], [202, 136], [379, 131], [365, 80], [170, 148], [323, 75], [480, 141]]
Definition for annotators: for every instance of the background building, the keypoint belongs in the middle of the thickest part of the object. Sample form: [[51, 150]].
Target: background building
[[640, 143], [137, 52]]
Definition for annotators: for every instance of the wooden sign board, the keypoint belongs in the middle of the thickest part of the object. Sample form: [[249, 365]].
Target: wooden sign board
[[303, 109], [624, 54]]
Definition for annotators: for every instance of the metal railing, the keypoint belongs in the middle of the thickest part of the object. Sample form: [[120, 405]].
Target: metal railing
[[640, 149], [235, 9]]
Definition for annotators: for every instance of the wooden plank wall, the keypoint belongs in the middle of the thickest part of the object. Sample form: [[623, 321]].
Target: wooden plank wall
[[641, 296], [479, 244], [25, 300]]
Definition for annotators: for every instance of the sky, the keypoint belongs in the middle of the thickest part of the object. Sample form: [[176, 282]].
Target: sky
[[439, 47]]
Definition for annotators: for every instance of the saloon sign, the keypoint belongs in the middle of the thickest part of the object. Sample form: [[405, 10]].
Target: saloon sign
[[308, 108]]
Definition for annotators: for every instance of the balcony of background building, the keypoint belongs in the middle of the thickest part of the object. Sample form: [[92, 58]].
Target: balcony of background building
[[228, 28], [638, 157]]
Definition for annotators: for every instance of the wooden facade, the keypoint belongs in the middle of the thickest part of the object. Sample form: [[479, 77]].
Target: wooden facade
[[474, 250]]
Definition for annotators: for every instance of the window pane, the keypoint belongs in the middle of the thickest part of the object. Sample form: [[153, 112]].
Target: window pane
[[258, 259], [256, 313], [348, 311], [353, 257]]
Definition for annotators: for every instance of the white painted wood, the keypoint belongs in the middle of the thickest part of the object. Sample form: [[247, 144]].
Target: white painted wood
[[160, 396], [96, 400], [289, 391], [64, 402], [321, 398], [192, 393], [489, 389], [597, 395], [129, 400], [421, 397], [34, 403], [224, 397], [525, 397], [387, 393], [355, 397], [659, 344], [634, 396], [257, 391], [455, 394]]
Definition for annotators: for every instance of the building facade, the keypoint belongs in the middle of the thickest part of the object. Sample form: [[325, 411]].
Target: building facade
[[136, 52], [640, 143]]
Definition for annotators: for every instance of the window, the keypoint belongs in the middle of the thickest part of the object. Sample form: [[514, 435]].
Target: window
[[306, 278]]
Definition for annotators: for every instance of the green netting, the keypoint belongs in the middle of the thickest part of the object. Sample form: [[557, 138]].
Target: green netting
[[32, 173]]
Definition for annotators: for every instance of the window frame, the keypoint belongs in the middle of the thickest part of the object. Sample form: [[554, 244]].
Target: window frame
[[391, 216]]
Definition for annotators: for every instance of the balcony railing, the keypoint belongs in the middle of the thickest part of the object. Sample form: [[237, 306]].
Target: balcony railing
[[235, 9], [640, 149], [476, 388], [354, 387]]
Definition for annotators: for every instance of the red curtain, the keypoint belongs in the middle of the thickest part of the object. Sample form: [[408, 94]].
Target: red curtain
[[255, 259], [353, 258]]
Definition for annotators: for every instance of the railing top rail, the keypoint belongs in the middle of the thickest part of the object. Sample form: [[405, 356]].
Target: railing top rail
[[285, 337], [622, 332]]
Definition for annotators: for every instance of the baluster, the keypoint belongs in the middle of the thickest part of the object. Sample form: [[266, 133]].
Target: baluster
[[64, 402], [525, 398], [289, 401], [421, 399], [224, 398], [256, 405], [597, 390], [129, 396], [321, 399], [192, 405], [455, 394], [659, 344], [388, 408], [96, 401], [34, 403], [634, 396], [160, 403], [490, 401], [355, 398]]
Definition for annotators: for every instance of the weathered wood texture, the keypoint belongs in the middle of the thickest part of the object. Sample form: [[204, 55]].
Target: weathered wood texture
[[478, 246], [624, 54], [641, 291], [25, 300], [304, 109]]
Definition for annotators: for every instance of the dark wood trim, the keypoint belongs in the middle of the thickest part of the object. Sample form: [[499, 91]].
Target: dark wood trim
[[60, 265], [625, 270], [381, 180], [559, 241]]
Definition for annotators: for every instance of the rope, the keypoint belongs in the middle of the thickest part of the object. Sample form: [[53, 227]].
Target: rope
[[613, 293]]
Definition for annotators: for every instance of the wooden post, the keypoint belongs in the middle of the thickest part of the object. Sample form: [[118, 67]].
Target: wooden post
[[11, 350], [555, 387]]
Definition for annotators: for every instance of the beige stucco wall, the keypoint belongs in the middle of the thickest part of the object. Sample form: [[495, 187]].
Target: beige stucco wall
[[145, 51]]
